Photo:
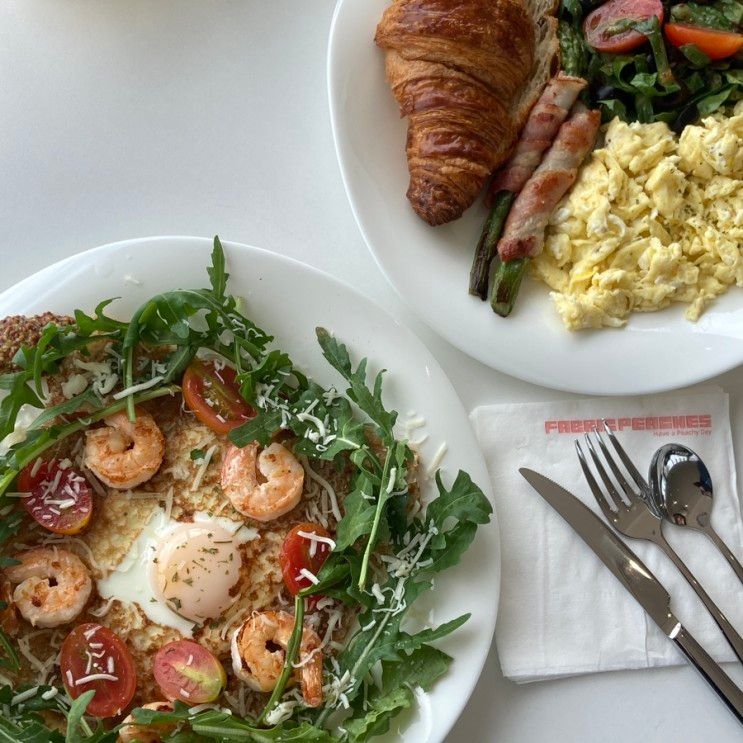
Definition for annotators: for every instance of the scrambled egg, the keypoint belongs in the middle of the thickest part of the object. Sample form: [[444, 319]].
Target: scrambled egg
[[652, 219]]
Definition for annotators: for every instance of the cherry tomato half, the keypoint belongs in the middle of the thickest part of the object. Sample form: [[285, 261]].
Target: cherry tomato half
[[602, 26], [301, 552], [715, 44], [94, 652], [61, 499], [187, 671], [213, 395]]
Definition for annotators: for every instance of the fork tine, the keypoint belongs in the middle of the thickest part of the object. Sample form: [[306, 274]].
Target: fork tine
[[620, 478], [626, 461], [604, 475], [604, 500]]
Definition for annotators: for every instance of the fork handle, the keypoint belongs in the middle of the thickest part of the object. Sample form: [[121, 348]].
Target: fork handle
[[711, 671], [727, 553], [733, 638]]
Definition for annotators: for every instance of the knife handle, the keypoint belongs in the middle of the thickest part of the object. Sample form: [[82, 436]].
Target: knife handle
[[723, 685]]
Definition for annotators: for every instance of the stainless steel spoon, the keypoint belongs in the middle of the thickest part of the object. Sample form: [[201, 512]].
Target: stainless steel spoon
[[681, 488]]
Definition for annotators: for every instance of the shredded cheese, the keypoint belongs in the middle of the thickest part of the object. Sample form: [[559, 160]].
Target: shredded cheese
[[325, 485], [311, 577], [95, 677], [138, 388], [24, 695], [436, 461], [202, 469]]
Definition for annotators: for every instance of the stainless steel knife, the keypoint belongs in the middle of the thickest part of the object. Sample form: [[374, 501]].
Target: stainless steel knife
[[638, 580]]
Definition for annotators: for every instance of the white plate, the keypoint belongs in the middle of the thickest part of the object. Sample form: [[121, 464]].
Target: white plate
[[289, 299], [429, 267]]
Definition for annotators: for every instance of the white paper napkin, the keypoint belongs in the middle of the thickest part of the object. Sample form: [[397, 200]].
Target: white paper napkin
[[561, 611]]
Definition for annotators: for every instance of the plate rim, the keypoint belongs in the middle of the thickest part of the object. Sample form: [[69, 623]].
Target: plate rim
[[650, 386], [436, 736]]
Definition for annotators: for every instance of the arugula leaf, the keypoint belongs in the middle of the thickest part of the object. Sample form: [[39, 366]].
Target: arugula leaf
[[190, 318], [369, 401], [78, 727], [29, 730], [359, 514], [19, 394], [217, 274], [8, 656], [220, 726], [260, 429], [422, 668]]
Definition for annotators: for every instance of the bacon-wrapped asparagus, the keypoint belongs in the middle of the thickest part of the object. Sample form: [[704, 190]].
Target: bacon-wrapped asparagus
[[523, 235], [538, 134]]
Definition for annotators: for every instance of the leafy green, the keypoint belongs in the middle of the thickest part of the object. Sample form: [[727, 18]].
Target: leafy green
[[213, 725], [697, 57], [664, 85], [709, 103], [22, 722], [369, 400], [422, 668], [723, 16], [78, 729]]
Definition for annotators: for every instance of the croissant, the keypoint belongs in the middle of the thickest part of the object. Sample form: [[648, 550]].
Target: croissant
[[456, 68]]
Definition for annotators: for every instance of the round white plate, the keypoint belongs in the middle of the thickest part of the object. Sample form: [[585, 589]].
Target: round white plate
[[429, 267], [289, 299]]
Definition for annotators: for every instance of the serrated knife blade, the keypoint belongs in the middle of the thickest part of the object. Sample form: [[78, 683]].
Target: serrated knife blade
[[634, 575]]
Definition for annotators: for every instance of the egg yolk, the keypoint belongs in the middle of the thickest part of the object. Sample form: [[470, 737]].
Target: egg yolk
[[194, 569]]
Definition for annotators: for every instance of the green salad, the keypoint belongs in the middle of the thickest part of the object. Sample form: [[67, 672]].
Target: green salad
[[648, 60]]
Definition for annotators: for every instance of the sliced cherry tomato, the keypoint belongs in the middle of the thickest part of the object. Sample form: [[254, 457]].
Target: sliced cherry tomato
[[715, 44], [187, 671], [94, 657], [301, 552], [214, 396], [603, 27], [61, 499]]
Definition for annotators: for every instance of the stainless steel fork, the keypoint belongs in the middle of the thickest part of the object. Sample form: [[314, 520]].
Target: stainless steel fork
[[630, 512]]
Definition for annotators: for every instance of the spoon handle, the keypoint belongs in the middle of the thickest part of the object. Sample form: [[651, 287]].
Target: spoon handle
[[734, 639], [726, 552]]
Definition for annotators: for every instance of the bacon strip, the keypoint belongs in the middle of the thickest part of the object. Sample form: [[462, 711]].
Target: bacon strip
[[523, 235], [544, 120]]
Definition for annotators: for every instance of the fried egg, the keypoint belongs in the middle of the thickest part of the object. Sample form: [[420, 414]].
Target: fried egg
[[652, 219], [180, 574]]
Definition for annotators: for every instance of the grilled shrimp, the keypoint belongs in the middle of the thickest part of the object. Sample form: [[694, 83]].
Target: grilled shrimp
[[132, 732], [53, 586], [263, 486], [124, 453], [259, 649]]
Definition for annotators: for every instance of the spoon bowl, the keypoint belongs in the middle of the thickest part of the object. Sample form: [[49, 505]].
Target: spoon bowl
[[681, 488]]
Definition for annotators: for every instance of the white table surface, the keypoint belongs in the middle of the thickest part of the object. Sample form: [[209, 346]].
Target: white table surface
[[146, 117]]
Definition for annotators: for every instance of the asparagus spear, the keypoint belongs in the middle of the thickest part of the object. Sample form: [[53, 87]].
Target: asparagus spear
[[507, 277], [486, 247]]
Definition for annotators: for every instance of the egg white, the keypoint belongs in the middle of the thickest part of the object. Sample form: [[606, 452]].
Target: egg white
[[131, 581]]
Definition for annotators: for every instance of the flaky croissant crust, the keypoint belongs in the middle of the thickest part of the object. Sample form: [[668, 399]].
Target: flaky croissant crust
[[455, 68]]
